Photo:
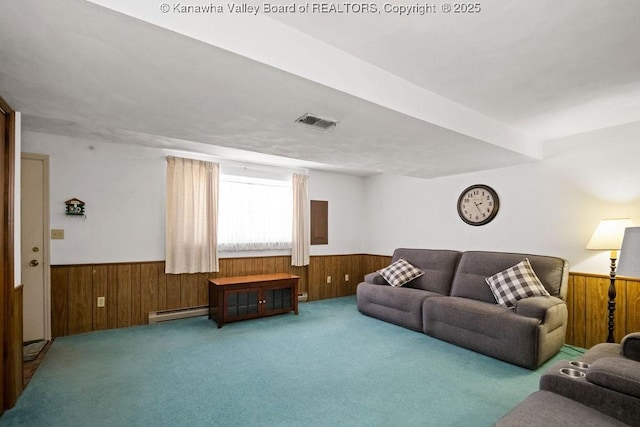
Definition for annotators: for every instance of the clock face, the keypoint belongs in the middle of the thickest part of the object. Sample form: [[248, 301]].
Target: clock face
[[478, 204]]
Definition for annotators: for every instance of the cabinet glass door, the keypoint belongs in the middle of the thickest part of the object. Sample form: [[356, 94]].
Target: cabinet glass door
[[278, 299], [242, 303]]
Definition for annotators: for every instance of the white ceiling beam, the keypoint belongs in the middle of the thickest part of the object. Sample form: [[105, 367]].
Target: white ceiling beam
[[270, 42]]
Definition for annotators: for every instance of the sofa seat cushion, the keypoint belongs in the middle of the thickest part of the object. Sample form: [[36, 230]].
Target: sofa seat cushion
[[598, 351], [544, 408], [399, 305], [617, 374], [476, 316], [487, 328]]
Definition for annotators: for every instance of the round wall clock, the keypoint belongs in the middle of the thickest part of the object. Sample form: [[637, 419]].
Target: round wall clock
[[478, 204]]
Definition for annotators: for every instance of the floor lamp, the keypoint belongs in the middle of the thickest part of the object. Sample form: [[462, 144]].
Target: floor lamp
[[629, 264], [608, 236]]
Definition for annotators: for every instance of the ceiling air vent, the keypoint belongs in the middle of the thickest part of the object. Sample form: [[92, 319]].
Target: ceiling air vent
[[326, 125]]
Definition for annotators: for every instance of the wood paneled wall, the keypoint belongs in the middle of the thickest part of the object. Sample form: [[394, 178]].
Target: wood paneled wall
[[12, 388], [133, 290], [587, 300]]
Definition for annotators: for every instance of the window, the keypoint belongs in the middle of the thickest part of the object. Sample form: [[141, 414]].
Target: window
[[254, 213]]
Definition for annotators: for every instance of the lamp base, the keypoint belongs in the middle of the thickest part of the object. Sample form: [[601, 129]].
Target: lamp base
[[612, 297]]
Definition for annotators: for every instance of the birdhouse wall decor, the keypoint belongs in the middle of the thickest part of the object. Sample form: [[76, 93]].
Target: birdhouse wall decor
[[74, 207]]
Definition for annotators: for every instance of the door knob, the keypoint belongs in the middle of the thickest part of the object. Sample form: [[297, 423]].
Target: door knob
[[33, 263]]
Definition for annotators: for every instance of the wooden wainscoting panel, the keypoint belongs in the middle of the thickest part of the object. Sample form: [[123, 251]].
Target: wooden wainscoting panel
[[579, 309], [337, 267], [132, 290], [203, 289], [319, 270], [633, 305], [80, 300], [596, 311], [314, 282], [13, 346], [112, 296], [173, 291], [136, 314], [569, 335], [59, 301], [149, 285], [348, 266], [189, 290], [375, 262], [124, 295], [587, 300], [100, 289], [162, 287]]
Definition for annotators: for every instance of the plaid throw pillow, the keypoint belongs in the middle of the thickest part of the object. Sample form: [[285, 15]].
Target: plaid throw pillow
[[515, 283], [400, 272]]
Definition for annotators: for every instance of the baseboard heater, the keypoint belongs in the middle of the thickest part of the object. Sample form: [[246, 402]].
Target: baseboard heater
[[180, 313]]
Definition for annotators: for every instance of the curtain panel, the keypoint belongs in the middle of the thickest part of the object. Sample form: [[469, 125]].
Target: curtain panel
[[191, 216], [301, 238]]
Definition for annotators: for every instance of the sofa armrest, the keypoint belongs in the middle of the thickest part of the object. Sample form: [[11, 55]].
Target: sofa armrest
[[615, 373], [375, 279], [536, 307], [630, 346]]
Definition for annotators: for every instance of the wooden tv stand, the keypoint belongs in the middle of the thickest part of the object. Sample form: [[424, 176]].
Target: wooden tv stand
[[248, 297]]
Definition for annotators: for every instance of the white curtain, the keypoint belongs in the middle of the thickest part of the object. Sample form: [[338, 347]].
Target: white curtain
[[191, 216], [301, 233]]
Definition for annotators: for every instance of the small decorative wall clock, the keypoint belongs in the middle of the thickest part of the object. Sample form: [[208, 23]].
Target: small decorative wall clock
[[74, 207], [478, 204]]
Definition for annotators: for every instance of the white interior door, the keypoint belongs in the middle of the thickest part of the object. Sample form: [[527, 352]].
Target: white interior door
[[35, 247]]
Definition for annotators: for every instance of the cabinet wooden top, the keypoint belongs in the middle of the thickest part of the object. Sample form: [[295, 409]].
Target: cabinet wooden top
[[237, 280]]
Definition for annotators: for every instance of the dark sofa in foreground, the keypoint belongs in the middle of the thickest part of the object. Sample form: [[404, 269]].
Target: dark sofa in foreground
[[601, 388], [452, 301]]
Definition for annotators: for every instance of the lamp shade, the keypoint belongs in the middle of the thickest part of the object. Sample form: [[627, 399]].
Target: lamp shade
[[609, 233], [629, 264]]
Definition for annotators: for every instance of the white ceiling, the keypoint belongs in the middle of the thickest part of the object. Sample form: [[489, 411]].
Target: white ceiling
[[421, 95]]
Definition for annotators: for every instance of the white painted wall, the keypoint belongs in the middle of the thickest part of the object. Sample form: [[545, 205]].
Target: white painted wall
[[124, 190], [547, 207], [345, 195]]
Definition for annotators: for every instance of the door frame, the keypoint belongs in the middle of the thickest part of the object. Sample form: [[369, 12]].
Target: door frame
[[10, 294], [46, 240]]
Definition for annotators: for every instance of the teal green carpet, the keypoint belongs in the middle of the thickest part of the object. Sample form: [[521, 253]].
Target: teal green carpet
[[329, 366]]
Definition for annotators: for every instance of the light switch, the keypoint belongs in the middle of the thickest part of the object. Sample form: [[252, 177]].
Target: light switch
[[57, 233]]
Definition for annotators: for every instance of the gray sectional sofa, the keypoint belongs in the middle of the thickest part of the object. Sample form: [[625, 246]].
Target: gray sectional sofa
[[451, 301], [601, 388]]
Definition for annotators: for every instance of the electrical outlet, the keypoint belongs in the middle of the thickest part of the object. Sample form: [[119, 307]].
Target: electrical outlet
[[328, 279], [57, 233], [346, 277], [101, 301]]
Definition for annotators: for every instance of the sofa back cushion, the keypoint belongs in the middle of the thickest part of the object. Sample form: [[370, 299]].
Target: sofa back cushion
[[475, 266], [439, 267]]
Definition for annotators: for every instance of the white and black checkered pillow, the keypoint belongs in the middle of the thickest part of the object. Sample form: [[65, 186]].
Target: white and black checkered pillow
[[515, 283], [400, 272]]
